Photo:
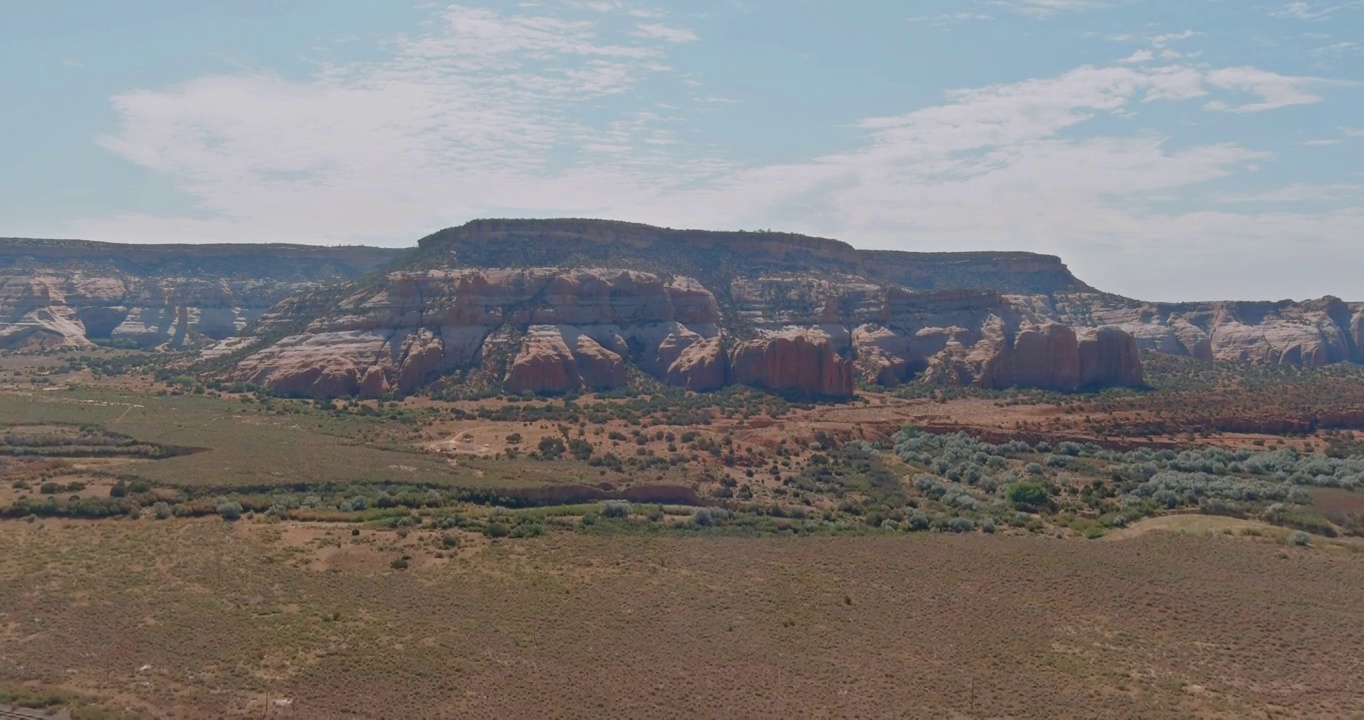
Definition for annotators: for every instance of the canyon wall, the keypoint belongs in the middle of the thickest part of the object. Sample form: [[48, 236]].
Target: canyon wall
[[70, 293], [553, 306]]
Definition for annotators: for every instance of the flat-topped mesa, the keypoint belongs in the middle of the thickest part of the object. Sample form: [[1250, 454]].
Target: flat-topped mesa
[[572, 305], [717, 257]]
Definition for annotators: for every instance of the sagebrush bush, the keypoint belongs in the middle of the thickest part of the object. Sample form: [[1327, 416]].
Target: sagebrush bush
[[616, 510]]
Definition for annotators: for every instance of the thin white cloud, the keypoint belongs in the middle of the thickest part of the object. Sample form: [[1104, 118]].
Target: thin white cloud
[[1323, 142], [459, 121], [946, 19], [663, 32], [1047, 8], [1273, 90], [1339, 49], [1174, 82], [1309, 11], [1167, 38], [1301, 192], [487, 115], [1160, 46]]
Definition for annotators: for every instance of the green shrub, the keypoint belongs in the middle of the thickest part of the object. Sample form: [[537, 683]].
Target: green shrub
[[230, 510], [1027, 496], [961, 524], [616, 510]]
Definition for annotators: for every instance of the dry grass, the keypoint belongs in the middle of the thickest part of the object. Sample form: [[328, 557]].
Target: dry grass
[[223, 617]]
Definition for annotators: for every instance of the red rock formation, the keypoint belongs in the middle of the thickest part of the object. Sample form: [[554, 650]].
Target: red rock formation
[[422, 358], [883, 357], [1109, 356], [598, 368], [796, 360], [373, 384], [702, 366], [546, 365], [332, 379], [543, 365], [1044, 356]]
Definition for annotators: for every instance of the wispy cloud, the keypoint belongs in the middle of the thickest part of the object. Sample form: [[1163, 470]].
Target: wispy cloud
[[1273, 90], [1310, 11], [1339, 49], [663, 32], [947, 19], [536, 114], [1167, 38], [1046, 8], [1301, 192], [483, 112]]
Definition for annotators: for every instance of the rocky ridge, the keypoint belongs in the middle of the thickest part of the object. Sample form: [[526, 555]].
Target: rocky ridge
[[551, 306], [695, 310], [72, 293]]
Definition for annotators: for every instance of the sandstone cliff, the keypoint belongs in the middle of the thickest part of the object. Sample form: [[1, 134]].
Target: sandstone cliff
[[574, 329], [1312, 333], [551, 306], [800, 360], [68, 293]]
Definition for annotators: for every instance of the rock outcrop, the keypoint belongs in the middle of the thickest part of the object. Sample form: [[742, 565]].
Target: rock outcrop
[[68, 293], [760, 310], [701, 366], [1312, 333], [547, 363], [1048, 355], [1108, 356], [577, 328], [883, 357], [795, 360], [554, 306]]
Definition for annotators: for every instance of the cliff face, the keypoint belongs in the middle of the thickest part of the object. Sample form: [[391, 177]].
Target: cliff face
[[1312, 333], [71, 293], [549, 306], [568, 329]]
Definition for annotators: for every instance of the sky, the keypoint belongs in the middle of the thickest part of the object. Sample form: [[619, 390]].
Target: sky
[[1166, 150]]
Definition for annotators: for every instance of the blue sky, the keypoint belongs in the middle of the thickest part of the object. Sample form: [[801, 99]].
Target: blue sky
[[1166, 150]]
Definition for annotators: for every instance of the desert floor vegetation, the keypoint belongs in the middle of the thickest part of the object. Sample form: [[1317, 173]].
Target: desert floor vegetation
[[204, 619], [173, 548]]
